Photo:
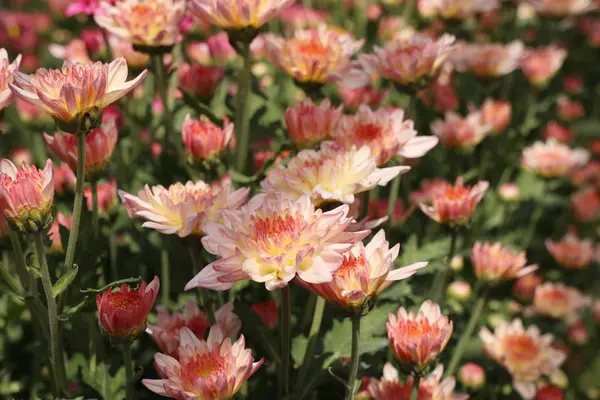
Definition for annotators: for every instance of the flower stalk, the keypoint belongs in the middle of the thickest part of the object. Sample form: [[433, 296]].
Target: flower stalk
[[414, 394], [355, 356], [285, 331], [95, 222], [439, 283], [313, 335], [129, 383], [162, 86], [197, 267], [241, 109]]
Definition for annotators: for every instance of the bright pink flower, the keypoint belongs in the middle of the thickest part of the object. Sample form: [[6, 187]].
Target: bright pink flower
[[200, 80], [495, 114], [56, 246], [573, 84], [211, 369], [7, 71], [441, 96], [94, 42], [570, 110], [472, 376], [64, 178], [237, 14], [571, 252], [268, 312], [524, 287], [540, 65], [354, 98], [558, 301], [417, 340], [456, 203], [457, 132], [122, 314], [489, 60], [168, 326], [552, 159], [87, 7], [203, 139], [26, 195], [557, 132], [585, 204], [220, 49], [429, 190], [378, 209], [495, 263], [107, 196], [309, 124]]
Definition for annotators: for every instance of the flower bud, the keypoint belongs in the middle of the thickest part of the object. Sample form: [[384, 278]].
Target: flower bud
[[203, 139], [459, 290], [509, 192], [472, 376], [549, 393], [524, 287], [577, 333], [457, 263]]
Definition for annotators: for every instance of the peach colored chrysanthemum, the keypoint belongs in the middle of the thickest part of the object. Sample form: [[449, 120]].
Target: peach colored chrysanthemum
[[540, 65], [237, 14], [552, 159], [417, 340], [495, 115], [455, 9], [317, 55], [214, 369], [558, 301], [148, 23], [490, 60], [203, 139], [330, 174], [274, 238], [364, 273], [585, 204], [571, 252], [562, 8], [386, 132], [200, 80], [123, 48], [297, 16], [495, 263], [169, 325], [7, 70], [525, 353], [457, 132], [69, 93], [308, 123], [182, 209]]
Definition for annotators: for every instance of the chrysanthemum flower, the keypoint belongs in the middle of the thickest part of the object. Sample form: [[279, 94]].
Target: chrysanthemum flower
[[149, 23], [417, 340], [122, 314], [385, 132], [182, 209], [56, 246], [524, 287], [200, 80], [364, 273], [123, 48], [585, 204], [431, 387], [429, 190], [454, 204], [297, 16], [354, 98], [540, 65], [525, 353], [457, 132], [317, 55], [308, 123], [552, 159], [558, 301], [571, 252], [64, 178], [410, 62], [87, 7], [237, 14], [274, 238], [203, 139], [214, 369], [496, 115], [99, 146], [76, 92], [472, 376], [495, 263], [168, 326], [490, 60], [455, 9], [569, 109], [560, 133], [7, 70], [562, 8], [107, 196], [378, 209], [26, 195]]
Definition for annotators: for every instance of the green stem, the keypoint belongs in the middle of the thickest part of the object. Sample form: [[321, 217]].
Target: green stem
[[468, 332], [439, 283], [285, 318], [162, 85], [109, 54], [414, 394], [355, 357], [56, 356], [393, 196], [11, 282], [95, 223], [19, 258], [129, 383], [207, 304], [313, 336], [241, 109], [165, 280]]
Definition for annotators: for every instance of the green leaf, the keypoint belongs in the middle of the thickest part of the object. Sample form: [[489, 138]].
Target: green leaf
[[298, 349], [73, 310], [112, 284], [64, 281], [429, 251], [98, 376], [531, 186]]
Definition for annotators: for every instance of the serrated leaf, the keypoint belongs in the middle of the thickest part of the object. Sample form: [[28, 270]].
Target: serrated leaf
[[64, 281]]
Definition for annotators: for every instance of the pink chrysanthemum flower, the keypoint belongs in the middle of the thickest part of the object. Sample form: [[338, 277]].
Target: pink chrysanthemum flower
[[182, 209], [168, 326], [87, 7], [525, 353], [552, 159], [409, 62], [297, 16], [122, 48], [309, 124], [267, 311], [562, 8], [7, 70], [457, 132], [417, 340], [56, 246], [107, 196], [76, 91], [364, 273], [26, 195], [203, 139], [585, 204], [214, 369], [200, 80], [431, 387], [386, 132], [354, 98], [330, 174], [495, 115], [99, 146], [149, 23], [495, 263], [237, 14], [454, 204], [558, 301], [571, 252], [274, 238], [540, 65], [490, 60], [317, 55], [455, 9]]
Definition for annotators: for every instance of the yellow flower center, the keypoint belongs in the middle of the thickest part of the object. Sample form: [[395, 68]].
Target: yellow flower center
[[521, 349], [205, 366]]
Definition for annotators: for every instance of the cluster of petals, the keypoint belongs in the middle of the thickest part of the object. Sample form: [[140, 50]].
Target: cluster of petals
[[454, 204], [237, 14], [585, 204], [123, 48], [150, 23], [571, 252], [309, 124], [203, 139], [7, 70], [273, 239], [552, 159], [182, 209], [353, 98], [386, 132], [429, 190], [525, 353], [490, 60], [106, 193], [318, 55], [364, 273], [213, 369], [457, 132], [494, 263], [495, 115], [540, 65], [455, 9], [168, 326], [200, 80], [56, 246], [417, 340], [87, 7], [558, 301], [562, 8], [331, 174], [297, 16]]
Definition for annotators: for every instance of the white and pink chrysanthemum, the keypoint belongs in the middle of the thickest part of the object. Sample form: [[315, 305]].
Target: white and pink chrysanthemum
[[213, 369], [552, 159], [237, 14], [274, 238], [7, 70], [182, 209], [417, 340], [571, 252], [558, 301], [386, 132], [457, 132], [562, 8], [364, 273], [495, 115], [455, 9], [331, 174], [540, 65], [203, 139], [490, 60], [495, 263], [308, 123], [525, 353]]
